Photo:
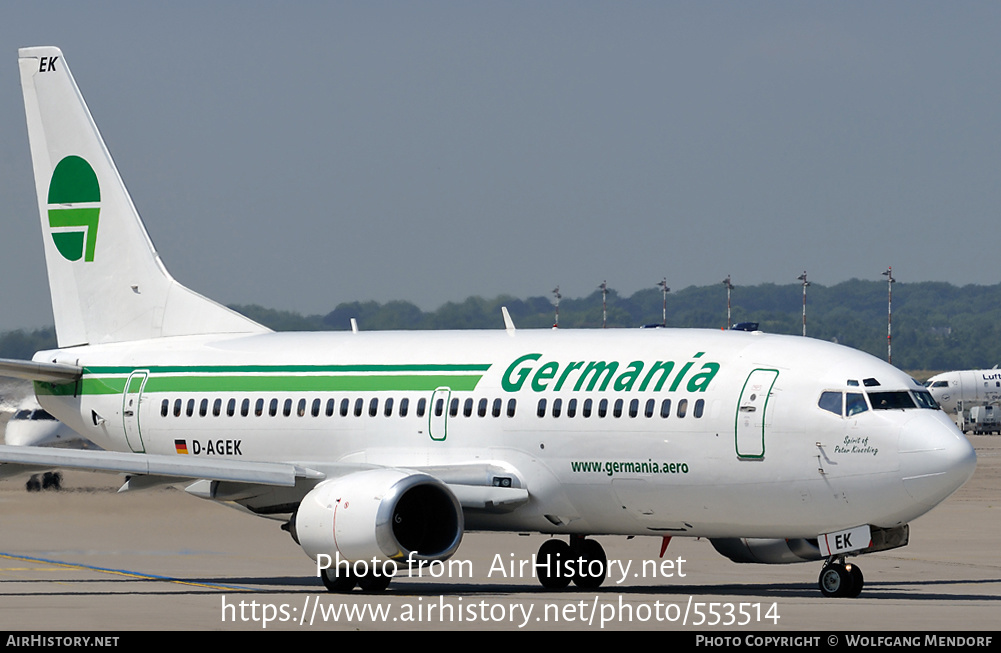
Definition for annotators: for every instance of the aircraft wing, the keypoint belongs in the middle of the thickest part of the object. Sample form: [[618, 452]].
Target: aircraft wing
[[32, 371], [472, 484], [15, 460]]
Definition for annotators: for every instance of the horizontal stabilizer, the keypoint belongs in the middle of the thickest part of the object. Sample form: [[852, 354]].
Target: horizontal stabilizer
[[32, 371]]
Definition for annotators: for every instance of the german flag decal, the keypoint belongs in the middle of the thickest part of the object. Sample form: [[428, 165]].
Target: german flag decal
[[181, 446]]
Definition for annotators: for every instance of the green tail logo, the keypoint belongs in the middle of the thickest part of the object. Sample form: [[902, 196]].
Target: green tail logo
[[73, 212]]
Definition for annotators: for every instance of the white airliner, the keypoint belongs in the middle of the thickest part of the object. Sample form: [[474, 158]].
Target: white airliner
[[31, 425], [388, 446], [964, 389]]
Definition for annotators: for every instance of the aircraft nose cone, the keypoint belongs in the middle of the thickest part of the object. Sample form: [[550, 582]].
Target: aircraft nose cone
[[935, 458]]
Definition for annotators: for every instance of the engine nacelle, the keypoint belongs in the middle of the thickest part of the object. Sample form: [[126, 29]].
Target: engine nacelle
[[382, 514], [778, 551], [767, 551]]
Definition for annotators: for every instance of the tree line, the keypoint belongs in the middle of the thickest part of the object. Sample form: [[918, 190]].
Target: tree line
[[935, 326]]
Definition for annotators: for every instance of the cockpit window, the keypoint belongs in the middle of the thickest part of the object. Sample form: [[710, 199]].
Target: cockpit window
[[870, 382], [891, 400], [22, 414], [43, 414], [855, 403], [831, 402], [925, 400], [940, 384]]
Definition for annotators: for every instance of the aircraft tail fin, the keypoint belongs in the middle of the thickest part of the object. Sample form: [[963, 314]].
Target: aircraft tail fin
[[106, 278]]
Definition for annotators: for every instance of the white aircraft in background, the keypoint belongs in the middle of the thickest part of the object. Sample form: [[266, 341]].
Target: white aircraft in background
[[965, 389], [388, 446], [33, 426]]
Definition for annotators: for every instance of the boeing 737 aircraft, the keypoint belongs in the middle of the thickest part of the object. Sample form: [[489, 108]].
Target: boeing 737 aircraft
[[389, 446], [965, 389]]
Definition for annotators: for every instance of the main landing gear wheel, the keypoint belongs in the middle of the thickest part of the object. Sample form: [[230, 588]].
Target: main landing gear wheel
[[550, 566], [594, 564], [582, 561], [840, 580], [338, 583], [341, 583]]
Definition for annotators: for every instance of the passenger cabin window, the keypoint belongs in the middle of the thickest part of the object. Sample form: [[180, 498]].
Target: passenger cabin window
[[512, 405], [387, 410]]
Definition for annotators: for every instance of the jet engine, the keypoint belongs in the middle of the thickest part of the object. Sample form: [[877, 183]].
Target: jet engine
[[379, 514], [767, 551]]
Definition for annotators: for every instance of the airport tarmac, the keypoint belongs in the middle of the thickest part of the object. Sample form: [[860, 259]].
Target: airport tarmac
[[88, 559]]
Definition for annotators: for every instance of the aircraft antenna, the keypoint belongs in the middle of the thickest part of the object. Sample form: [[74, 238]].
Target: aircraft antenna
[[557, 295]]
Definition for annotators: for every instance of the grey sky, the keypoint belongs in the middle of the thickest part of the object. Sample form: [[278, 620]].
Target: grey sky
[[302, 154]]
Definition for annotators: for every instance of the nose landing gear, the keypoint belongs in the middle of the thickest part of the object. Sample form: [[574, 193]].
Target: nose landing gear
[[838, 579]]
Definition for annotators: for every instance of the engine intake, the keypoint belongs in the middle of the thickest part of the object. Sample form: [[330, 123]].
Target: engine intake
[[384, 514]]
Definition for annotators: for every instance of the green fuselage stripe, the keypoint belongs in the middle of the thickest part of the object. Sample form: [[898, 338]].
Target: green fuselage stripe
[[217, 383], [285, 369]]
